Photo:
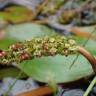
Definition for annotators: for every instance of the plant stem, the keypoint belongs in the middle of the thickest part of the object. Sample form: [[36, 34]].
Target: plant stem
[[90, 87], [54, 87], [88, 56]]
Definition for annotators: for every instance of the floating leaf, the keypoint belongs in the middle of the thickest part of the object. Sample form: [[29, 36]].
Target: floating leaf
[[57, 68], [17, 14], [22, 32], [6, 42], [28, 31], [10, 72]]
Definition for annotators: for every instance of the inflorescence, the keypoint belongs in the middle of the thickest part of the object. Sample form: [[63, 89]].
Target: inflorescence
[[37, 47]]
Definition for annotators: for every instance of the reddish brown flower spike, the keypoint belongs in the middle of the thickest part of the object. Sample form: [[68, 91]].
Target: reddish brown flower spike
[[3, 53], [15, 47], [24, 56], [45, 46]]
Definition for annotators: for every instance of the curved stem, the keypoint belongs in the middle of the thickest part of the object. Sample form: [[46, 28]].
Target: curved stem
[[88, 56]]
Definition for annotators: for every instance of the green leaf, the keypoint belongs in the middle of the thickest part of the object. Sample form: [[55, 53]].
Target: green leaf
[[6, 42], [56, 68], [28, 31], [10, 72], [22, 32], [16, 14]]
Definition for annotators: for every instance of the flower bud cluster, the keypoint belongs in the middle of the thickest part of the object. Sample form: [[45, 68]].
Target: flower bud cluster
[[38, 47]]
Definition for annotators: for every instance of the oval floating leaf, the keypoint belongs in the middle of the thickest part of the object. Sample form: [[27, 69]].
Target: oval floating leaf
[[22, 32], [16, 14], [28, 31], [57, 68]]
